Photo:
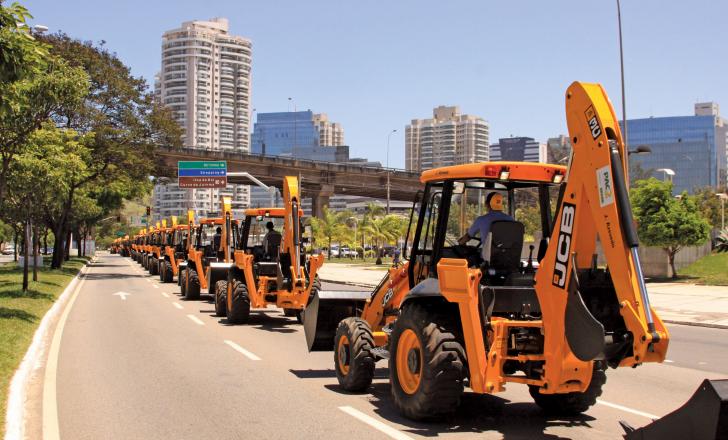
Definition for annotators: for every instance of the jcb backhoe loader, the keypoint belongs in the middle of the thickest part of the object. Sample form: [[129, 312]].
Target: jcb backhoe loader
[[280, 275], [477, 314], [206, 252], [175, 249], [156, 247]]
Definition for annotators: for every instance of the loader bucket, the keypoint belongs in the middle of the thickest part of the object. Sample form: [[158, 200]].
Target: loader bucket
[[703, 417], [324, 312]]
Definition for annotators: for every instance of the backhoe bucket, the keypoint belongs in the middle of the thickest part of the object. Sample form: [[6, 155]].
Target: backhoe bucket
[[703, 417], [324, 312]]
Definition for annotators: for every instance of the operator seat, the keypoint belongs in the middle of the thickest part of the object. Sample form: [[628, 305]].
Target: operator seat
[[502, 251]]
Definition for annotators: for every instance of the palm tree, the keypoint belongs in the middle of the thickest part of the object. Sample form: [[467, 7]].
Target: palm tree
[[331, 226], [384, 230]]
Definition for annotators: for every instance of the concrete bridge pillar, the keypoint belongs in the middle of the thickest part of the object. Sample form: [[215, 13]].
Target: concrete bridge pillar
[[320, 199]]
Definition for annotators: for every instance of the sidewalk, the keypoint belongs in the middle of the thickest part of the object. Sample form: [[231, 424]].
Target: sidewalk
[[678, 303]]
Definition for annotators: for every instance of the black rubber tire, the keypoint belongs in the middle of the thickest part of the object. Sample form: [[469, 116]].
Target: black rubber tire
[[192, 288], [161, 272], [168, 276], [443, 363], [571, 404], [240, 310], [221, 298], [154, 266], [290, 313], [182, 279], [358, 357]]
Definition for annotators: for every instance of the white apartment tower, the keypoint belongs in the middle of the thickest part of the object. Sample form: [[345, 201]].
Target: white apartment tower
[[449, 138], [331, 134], [205, 81]]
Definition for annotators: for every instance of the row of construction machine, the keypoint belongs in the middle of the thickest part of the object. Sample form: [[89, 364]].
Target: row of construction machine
[[481, 312]]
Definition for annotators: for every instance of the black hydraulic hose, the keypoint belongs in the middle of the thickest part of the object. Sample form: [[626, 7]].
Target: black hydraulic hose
[[620, 192]]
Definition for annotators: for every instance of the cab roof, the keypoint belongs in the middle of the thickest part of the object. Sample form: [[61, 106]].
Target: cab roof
[[502, 172]]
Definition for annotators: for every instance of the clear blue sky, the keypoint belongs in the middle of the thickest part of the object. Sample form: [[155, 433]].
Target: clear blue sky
[[375, 65]]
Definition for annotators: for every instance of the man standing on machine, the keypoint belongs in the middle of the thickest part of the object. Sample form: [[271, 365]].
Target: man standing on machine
[[481, 225], [271, 241]]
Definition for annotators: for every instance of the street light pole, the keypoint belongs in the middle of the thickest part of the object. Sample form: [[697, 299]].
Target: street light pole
[[624, 103], [389, 137], [722, 209]]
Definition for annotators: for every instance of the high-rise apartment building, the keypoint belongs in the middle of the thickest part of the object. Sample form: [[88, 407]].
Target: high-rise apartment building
[[694, 147], [449, 138], [330, 133], [518, 149], [205, 81], [558, 149]]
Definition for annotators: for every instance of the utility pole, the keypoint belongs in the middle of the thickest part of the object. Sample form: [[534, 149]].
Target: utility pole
[[389, 137]]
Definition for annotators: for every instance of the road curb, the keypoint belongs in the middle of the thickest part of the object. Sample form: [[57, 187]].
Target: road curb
[[15, 414], [696, 324], [349, 283]]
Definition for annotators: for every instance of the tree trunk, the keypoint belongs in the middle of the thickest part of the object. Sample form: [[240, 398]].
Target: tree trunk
[[35, 252], [15, 245], [45, 241], [59, 247], [69, 243], [26, 254]]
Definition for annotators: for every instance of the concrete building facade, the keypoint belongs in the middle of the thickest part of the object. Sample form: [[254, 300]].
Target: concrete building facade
[[206, 81], [448, 138], [694, 147], [519, 149]]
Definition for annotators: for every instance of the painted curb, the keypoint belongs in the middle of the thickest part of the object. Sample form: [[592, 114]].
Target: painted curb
[[15, 414], [696, 324]]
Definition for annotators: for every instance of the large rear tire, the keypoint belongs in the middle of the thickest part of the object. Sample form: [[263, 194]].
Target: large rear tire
[[352, 354], [192, 288], [240, 310], [427, 363], [168, 272], [221, 298], [571, 404]]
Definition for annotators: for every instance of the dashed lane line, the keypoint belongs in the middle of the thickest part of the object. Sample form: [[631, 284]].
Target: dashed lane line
[[195, 319], [178, 305], [374, 423], [165, 294], [155, 286], [242, 351], [629, 410]]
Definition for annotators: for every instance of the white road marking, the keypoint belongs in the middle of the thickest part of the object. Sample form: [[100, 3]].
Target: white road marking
[[50, 400], [155, 286], [242, 351], [374, 423], [627, 409], [668, 361], [195, 319], [177, 305], [165, 294], [148, 280], [702, 363], [123, 295]]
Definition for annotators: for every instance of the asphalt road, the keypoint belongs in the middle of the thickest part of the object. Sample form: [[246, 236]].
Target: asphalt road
[[155, 366]]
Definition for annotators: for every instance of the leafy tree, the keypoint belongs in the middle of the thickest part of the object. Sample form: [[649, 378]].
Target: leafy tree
[[637, 173], [665, 221], [722, 241], [329, 227], [709, 204], [125, 123], [385, 230], [6, 234]]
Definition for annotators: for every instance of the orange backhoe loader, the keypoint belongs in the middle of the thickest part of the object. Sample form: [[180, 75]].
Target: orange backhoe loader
[[174, 249], [206, 252], [480, 311], [277, 274]]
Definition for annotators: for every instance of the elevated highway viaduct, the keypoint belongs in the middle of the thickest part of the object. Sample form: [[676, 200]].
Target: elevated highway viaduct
[[320, 180]]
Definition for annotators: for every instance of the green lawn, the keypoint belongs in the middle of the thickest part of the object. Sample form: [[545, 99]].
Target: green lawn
[[21, 313], [711, 269]]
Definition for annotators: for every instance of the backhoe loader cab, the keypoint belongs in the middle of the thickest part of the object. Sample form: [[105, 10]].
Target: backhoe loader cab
[[273, 270], [207, 253], [499, 310], [175, 251]]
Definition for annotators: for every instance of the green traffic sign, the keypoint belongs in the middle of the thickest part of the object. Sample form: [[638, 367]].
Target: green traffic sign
[[203, 165]]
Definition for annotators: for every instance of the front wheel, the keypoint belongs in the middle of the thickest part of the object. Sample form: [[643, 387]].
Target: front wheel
[[427, 363], [239, 310], [571, 404], [192, 287], [353, 354], [221, 298]]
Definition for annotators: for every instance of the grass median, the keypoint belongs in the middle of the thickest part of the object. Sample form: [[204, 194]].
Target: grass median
[[21, 313], [711, 269]]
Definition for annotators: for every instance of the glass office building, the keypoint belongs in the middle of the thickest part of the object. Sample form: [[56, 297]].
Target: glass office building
[[694, 147]]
